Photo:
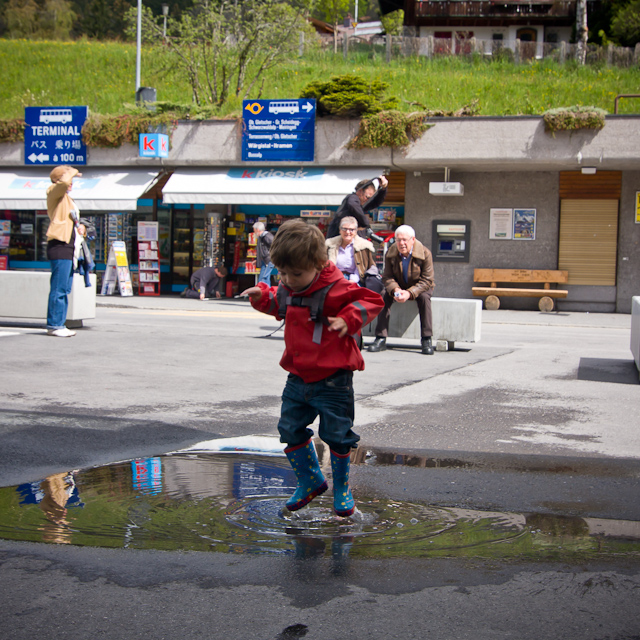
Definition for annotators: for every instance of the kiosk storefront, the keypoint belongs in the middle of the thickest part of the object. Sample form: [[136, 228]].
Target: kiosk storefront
[[235, 198]]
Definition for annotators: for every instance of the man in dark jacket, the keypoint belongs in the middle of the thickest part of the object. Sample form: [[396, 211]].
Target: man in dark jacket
[[364, 198], [408, 275], [264, 240], [204, 283]]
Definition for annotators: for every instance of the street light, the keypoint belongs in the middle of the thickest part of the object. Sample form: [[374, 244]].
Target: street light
[[138, 43], [165, 13]]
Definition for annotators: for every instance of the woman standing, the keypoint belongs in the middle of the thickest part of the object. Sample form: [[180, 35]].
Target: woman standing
[[63, 217]]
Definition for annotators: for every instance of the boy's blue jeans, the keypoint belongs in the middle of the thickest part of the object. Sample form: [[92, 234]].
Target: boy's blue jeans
[[60, 288], [332, 399]]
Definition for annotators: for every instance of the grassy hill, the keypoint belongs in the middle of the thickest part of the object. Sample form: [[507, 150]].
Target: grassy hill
[[102, 76]]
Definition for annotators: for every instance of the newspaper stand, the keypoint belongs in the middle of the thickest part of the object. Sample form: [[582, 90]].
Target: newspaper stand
[[148, 258], [148, 269]]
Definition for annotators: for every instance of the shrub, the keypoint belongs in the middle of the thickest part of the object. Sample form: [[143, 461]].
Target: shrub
[[114, 131], [573, 118], [12, 130], [389, 129], [349, 96]]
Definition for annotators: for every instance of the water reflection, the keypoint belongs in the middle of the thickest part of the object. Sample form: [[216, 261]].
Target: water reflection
[[54, 495], [234, 503]]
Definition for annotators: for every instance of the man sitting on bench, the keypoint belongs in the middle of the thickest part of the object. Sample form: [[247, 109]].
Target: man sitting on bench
[[408, 275]]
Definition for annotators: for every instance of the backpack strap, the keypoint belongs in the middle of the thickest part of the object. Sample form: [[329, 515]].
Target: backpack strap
[[314, 302]]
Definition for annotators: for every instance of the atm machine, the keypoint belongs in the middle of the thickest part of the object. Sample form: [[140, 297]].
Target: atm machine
[[450, 240]]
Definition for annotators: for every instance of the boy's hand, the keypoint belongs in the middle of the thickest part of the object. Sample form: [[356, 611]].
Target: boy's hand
[[255, 293], [338, 324]]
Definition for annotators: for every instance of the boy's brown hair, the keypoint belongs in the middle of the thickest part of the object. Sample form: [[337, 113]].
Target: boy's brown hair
[[299, 245]]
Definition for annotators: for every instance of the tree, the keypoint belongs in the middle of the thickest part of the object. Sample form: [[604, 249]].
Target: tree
[[392, 22], [53, 19], [103, 19], [21, 18], [625, 25], [224, 47], [582, 31]]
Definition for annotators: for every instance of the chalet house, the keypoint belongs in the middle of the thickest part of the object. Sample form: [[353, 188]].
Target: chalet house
[[453, 22]]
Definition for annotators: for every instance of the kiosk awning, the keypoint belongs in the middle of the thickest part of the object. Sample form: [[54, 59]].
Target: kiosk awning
[[96, 190], [265, 185]]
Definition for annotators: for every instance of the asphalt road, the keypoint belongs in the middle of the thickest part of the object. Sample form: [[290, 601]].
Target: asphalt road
[[539, 417]]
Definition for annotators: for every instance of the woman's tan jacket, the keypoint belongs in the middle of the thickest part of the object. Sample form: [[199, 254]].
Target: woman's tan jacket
[[59, 207], [364, 252]]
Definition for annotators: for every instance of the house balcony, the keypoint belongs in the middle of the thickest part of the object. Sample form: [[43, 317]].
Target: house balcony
[[490, 9]]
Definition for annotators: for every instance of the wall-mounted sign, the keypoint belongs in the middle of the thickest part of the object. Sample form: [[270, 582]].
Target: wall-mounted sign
[[311, 213], [637, 207], [153, 145], [53, 135], [278, 130], [524, 224], [500, 224]]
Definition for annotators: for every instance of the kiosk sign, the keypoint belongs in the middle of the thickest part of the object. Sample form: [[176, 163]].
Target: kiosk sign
[[54, 135], [275, 130]]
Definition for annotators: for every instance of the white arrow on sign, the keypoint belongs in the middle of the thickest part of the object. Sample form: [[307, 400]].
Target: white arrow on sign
[[307, 107], [40, 157]]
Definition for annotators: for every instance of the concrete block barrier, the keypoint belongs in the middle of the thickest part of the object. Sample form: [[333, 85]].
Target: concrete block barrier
[[25, 294], [454, 319]]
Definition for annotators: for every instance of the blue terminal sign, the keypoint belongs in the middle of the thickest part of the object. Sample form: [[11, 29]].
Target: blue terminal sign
[[275, 130], [54, 135]]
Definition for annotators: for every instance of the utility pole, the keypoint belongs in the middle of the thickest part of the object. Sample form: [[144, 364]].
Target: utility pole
[[138, 44]]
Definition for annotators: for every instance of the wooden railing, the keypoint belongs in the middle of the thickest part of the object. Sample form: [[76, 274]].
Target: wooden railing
[[490, 9]]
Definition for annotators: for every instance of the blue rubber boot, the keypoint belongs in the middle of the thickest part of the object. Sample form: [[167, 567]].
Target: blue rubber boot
[[311, 482], [343, 503]]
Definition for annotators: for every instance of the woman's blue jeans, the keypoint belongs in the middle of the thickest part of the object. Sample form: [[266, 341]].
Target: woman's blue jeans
[[60, 288], [332, 399]]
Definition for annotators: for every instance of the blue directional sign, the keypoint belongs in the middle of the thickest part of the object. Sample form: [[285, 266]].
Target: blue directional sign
[[275, 130], [54, 135]]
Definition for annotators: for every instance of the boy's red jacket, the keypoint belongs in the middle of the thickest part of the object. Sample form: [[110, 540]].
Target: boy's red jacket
[[302, 357]]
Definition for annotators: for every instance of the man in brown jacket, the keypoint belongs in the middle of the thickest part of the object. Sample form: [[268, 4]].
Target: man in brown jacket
[[408, 275]]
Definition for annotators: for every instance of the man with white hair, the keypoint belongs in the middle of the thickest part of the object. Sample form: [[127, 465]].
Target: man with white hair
[[263, 249], [408, 275]]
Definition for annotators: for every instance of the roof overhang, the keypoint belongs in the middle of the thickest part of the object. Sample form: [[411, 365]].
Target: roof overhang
[[96, 190], [265, 185]]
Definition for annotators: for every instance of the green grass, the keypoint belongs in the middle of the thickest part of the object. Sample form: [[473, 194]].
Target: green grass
[[102, 76]]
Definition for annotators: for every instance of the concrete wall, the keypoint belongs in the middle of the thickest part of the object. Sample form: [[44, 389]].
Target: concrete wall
[[628, 276], [483, 191]]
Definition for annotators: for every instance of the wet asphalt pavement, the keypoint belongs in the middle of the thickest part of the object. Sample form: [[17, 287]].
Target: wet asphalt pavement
[[539, 417]]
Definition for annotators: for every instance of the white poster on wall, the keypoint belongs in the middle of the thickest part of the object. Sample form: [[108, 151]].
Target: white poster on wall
[[500, 224]]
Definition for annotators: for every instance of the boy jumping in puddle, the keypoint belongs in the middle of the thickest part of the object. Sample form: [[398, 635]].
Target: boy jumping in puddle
[[324, 316]]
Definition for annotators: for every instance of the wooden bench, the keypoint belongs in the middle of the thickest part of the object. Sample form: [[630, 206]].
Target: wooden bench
[[520, 276]]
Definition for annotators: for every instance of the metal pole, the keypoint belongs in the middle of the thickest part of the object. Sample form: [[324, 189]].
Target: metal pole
[[356, 13], [138, 43]]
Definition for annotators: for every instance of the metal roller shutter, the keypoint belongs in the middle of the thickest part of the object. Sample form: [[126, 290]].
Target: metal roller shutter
[[588, 241]]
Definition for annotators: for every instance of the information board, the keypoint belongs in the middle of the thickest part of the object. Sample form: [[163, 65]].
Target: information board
[[117, 271], [53, 135], [275, 130]]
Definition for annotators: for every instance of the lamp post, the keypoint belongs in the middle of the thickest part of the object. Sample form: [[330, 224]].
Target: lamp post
[[138, 44], [165, 13]]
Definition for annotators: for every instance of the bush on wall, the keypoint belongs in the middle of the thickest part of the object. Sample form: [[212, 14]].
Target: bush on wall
[[574, 118]]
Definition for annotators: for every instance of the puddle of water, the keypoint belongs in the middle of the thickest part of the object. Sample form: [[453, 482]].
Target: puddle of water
[[234, 503]]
